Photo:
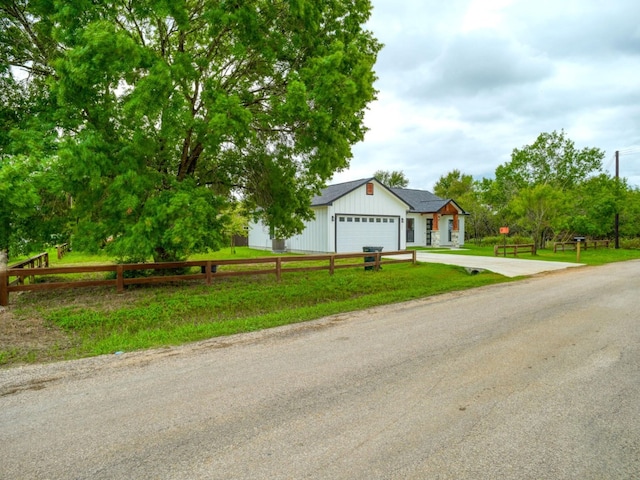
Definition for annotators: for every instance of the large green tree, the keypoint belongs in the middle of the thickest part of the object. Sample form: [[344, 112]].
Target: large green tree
[[532, 191], [552, 160], [165, 108], [594, 204], [18, 197], [630, 212], [33, 211], [33, 205], [539, 210]]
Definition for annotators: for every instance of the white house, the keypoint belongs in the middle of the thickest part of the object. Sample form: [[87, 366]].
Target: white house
[[352, 215]]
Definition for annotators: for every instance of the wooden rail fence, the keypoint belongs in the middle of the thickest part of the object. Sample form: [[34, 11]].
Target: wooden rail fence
[[514, 249], [209, 270], [37, 261], [584, 245], [62, 250]]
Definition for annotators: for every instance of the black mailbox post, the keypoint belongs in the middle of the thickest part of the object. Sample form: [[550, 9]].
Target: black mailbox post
[[370, 259]]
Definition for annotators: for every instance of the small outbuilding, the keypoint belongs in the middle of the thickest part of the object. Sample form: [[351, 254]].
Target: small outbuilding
[[353, 215]]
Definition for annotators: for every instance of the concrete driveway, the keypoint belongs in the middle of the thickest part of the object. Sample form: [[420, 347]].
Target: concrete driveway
[[509, 267]]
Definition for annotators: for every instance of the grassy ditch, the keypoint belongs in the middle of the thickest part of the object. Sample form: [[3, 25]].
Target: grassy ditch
[[67, 324]]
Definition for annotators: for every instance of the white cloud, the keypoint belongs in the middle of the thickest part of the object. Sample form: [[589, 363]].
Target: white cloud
[[479, 61], [464, 82], [483, 14]]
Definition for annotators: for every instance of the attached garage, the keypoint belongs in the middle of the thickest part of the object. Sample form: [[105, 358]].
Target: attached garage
[[356, 231]]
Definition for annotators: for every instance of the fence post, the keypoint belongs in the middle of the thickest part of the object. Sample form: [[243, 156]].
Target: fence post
[[208, 272], [120, 279], [4, 288], [34, 264], [332, 264], [46, 259], [414, 257], [4, 280], [377, 265], [278, 268]]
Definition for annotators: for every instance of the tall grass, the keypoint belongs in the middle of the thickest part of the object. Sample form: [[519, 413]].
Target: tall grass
[[99, 321]]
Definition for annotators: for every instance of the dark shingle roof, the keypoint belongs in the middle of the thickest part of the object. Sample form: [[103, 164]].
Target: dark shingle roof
[[422, 201], [334, 192], [419, 201]]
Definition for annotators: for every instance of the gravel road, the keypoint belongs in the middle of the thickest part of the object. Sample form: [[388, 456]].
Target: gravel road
[[535, 379]]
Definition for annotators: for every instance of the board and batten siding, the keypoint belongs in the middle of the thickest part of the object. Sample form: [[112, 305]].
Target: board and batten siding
[[259, 237], [315, 237], [382, 202]]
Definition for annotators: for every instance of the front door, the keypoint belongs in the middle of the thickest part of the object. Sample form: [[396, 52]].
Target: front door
[[450, 231], [429, 229]]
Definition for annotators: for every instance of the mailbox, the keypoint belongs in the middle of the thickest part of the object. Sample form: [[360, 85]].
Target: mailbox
[[579, 239]]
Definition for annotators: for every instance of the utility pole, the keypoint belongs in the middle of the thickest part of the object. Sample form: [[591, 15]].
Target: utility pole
[[617, 222]]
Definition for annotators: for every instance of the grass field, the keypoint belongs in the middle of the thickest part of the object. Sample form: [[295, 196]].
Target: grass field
[[591, 256], [67, 324]]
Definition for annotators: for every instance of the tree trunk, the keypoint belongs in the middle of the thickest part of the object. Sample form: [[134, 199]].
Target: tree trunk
[[161, 255]]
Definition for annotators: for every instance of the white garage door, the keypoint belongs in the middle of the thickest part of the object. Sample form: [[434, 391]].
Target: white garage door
[[356, 231]]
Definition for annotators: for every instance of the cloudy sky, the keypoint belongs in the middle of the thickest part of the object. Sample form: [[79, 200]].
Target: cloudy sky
[[464, 82]]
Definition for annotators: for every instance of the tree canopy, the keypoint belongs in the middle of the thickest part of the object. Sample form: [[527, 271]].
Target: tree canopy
[[33, 206], [453, 185], [548, 190], [166, 110], [551, 160], [392, 179]]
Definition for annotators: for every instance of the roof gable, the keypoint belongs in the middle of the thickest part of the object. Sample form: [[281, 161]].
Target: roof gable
[[333, 192]]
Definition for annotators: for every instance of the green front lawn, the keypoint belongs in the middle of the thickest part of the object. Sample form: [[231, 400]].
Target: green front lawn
[[66, 324], [95, 321]]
